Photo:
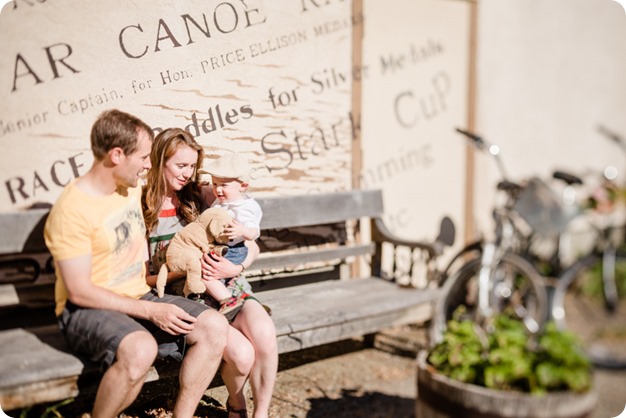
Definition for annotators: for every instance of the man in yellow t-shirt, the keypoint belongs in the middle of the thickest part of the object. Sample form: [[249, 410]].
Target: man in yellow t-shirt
[[105, 309]]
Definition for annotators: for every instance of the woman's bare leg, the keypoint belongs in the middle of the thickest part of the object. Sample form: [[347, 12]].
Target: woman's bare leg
[[259, 328], [238, 361]]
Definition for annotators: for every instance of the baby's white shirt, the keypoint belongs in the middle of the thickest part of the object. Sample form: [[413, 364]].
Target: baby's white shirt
[[246, 211]]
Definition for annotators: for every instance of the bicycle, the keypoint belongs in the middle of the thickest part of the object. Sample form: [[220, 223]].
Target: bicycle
[[590, 295], [571, 285], [496, 278]]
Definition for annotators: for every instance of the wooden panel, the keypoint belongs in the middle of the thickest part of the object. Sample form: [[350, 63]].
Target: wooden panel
[[273, 260], [290, 211]]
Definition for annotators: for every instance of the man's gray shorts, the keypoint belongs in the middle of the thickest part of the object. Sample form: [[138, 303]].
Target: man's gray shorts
[[97, 333]]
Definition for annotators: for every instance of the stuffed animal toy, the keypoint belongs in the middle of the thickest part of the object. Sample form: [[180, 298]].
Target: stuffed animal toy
[[204, 235]]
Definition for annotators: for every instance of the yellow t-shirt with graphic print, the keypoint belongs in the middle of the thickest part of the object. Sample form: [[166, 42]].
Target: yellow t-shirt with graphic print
[[110, 228]]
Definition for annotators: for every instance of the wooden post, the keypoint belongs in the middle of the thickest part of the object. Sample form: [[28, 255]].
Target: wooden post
[[357, 153], [469, 233]]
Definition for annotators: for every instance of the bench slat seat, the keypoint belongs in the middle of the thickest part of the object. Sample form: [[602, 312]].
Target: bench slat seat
[[327, 311], [304, 314], [33, 371]]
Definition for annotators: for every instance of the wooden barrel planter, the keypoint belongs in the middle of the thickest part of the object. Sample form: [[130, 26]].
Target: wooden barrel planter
[[441, 397]]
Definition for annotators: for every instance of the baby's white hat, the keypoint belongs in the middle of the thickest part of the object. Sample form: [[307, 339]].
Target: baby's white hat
[[231, 166]]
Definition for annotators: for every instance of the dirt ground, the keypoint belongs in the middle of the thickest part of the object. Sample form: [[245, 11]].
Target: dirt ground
[[348, 379]]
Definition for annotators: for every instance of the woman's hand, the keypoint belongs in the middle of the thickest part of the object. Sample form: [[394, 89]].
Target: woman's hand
[[215, 267]]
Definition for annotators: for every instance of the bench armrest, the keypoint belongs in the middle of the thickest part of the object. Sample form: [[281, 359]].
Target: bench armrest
[[380, 233], [422, 266]]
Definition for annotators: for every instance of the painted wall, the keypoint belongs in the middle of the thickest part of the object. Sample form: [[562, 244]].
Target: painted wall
[[269, 79], [414, 94], [273, 80]]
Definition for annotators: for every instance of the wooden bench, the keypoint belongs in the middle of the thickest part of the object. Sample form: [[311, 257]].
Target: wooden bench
[[328, 271]]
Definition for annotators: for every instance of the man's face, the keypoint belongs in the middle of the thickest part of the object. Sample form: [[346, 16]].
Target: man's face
[[134, 165]]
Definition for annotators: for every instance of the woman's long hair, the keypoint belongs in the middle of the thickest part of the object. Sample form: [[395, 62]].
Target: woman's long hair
[[164, 147]]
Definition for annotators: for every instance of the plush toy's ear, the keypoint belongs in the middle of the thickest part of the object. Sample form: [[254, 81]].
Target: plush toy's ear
[[216, 227], [206, 216]]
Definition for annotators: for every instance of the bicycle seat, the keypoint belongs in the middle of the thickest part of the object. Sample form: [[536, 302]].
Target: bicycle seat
[[567, 178], [447, 232], [509, 186]]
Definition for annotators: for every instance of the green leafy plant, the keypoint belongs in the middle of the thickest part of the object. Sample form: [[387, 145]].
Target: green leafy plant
[[507, 358], [44, 411]]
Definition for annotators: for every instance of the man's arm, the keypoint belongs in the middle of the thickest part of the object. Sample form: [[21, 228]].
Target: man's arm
[[76, 274]]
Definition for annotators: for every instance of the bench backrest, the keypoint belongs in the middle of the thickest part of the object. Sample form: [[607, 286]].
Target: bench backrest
[[294, 212], [27, 278], [22, 232], [315, 209]]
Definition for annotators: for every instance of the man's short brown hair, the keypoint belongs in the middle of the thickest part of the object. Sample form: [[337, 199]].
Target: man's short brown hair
[[114, 128]]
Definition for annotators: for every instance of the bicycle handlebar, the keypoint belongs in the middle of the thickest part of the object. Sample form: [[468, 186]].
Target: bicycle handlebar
[[478, 141], [613, 137], [483, 145]]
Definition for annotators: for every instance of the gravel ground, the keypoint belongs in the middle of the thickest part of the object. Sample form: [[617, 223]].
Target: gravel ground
[[349, 380]]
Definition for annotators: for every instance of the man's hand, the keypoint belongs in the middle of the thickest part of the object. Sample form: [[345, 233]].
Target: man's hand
[[171, 318]]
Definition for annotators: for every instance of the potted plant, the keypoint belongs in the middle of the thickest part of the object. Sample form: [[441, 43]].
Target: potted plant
[[504, 372]]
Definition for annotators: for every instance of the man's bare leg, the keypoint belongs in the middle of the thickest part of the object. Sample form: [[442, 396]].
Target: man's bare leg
[[206, 345], [122, 382]]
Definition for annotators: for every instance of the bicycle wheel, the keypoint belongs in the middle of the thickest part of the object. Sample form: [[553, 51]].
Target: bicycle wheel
[[518, 291], [579, 305]]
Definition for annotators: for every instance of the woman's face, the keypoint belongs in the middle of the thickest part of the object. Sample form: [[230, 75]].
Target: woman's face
[[180, 167]]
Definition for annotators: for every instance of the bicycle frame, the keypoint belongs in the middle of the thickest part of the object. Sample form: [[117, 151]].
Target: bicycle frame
[[495, 288]]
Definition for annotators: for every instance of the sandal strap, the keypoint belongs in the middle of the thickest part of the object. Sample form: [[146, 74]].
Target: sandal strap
[[243, 413]]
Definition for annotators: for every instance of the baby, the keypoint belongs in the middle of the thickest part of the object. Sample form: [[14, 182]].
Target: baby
[[230, 176]]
